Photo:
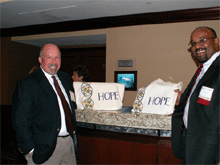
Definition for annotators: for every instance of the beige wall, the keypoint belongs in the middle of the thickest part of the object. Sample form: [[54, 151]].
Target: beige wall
[[160, 51]]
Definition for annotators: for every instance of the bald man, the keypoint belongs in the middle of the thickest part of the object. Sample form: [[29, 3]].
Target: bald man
[[195, 122], [39, 114]]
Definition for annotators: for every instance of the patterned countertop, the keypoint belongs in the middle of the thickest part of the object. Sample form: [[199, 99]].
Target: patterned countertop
[[124, 118]]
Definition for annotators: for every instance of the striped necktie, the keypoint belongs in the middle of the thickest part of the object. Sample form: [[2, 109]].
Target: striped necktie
[[194, 80], [67, 111], [195, 77]]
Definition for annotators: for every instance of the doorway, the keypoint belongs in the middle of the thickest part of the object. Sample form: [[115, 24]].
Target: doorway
[[93, 58]]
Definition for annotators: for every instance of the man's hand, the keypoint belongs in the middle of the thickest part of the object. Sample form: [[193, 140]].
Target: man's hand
[[178, 96]]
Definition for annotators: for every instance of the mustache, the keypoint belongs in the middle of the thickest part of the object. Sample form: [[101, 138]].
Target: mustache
[[200, 49], [54, 65]]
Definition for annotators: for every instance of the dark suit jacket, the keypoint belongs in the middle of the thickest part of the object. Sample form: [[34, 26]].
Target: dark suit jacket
[[36, 114], [202, 146]]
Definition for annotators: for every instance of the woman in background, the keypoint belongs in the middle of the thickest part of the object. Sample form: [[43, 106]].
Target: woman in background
[[80, 74]]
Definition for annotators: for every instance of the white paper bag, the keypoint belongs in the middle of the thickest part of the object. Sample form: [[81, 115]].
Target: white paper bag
[[157, 98], [99, 96]]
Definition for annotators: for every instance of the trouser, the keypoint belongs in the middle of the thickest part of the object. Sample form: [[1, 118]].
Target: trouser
[[63, 154]]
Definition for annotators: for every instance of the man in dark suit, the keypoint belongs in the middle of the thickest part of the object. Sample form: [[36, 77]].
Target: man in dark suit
[[195, 122], [43, 115]]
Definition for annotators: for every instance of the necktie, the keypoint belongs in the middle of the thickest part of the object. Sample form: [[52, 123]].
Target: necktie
[[194, 80], [67, 111], [195, 77]]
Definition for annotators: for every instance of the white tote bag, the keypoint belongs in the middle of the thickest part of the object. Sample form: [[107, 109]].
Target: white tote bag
[[157, 98], [99, 96]]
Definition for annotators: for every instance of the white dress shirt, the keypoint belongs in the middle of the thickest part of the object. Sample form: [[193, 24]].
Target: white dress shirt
[[206, 66], [63, 130]]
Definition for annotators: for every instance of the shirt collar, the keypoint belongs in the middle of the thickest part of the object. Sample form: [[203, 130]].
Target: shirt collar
[[47, 75], [208, 63], [214, 56]]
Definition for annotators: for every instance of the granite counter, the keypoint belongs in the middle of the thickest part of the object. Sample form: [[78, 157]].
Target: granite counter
[[125, 121]]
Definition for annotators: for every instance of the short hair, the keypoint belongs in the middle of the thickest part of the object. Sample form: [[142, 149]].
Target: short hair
[[214, 34], [82, 71]]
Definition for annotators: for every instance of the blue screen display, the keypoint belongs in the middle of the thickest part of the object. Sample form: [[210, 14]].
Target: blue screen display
[[126, 79]]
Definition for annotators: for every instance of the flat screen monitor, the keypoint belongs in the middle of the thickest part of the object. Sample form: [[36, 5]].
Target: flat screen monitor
[[128, 78]]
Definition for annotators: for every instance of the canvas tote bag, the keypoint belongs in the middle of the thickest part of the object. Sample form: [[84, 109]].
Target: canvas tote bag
[[99, 96], [157, 98]]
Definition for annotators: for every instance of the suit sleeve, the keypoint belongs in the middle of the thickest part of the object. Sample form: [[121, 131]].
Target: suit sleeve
[[22, 116]]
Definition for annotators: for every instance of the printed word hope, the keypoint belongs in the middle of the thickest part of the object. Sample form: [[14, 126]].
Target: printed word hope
[[159, 101], [108, 96]]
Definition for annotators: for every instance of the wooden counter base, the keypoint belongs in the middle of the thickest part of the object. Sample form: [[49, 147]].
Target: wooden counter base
[[105, 147]]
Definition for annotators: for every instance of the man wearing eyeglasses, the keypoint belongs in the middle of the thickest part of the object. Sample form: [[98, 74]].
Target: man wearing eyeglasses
[[195, 122]]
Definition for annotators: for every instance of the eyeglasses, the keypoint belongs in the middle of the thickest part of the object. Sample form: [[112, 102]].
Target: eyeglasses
[[202, 41]]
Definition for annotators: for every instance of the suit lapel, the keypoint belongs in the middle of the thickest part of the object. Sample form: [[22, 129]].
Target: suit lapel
[[48, 89], [44, 83], [212, 69], [65, 84]]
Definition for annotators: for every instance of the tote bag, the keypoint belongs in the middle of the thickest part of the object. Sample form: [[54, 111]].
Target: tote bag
[[157, 98], [99, 96]]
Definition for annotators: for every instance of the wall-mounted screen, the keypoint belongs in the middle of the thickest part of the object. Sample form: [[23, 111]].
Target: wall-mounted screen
[[128, 78]]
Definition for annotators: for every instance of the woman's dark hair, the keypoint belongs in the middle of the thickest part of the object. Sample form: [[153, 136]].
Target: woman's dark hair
[[82, 71]]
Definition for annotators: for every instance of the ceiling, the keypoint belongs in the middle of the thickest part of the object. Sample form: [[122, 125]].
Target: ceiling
[[18, 13]]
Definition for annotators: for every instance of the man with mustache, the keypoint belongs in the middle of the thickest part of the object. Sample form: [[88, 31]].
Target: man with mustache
[[195, 122], [43, 115]]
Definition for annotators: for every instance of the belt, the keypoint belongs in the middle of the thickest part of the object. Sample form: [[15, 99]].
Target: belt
[[64, 136]]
